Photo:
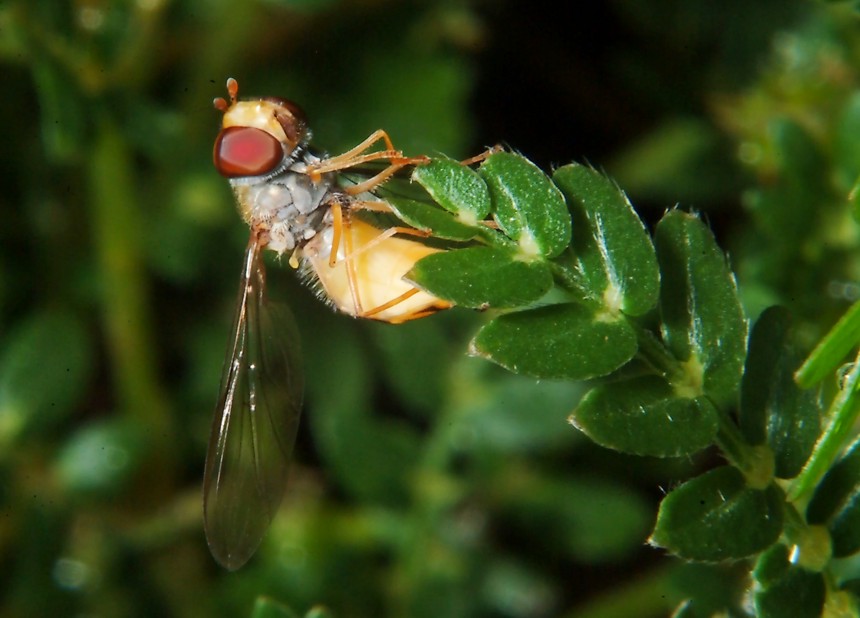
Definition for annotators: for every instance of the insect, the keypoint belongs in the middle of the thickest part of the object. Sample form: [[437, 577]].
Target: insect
[[292, 201]]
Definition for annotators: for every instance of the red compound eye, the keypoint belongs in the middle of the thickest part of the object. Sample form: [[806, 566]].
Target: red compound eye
[[246, 151]]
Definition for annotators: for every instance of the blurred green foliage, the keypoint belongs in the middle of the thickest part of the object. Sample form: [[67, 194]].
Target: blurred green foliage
[[426, 483]]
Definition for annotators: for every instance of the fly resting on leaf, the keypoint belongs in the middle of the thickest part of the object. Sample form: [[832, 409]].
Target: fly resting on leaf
[[292, 202]]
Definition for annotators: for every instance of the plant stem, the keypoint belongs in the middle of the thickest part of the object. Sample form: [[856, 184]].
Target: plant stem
[[840, 422], [732, 443], [116, 230], [654, 354]]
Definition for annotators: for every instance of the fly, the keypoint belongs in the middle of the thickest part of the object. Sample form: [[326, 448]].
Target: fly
[[291, 200]]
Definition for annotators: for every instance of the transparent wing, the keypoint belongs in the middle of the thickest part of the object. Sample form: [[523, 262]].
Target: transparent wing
[[255, 423]]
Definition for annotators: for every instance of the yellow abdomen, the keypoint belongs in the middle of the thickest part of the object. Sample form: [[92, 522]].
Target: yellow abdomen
[[367, 277]]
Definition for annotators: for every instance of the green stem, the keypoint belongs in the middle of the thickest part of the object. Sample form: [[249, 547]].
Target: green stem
[[832, 350], [840, 422], [654, 354], [794, 526], [756, 464], [117, 231]]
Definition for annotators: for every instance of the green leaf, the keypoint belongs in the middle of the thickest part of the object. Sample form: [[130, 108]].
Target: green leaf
[[766, 342], [838, 487], [427, 217], [456, 188], [45, 369], [644, 416], [526, 205], [703, 323], [557, 341], [717, 517], [613, 251], [783, 589], [481, 277], [264, 607], [773, 408]]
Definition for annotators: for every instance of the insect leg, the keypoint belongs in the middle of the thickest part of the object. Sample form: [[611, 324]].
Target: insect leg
[[482, 156], [340, 219], [359, 155]]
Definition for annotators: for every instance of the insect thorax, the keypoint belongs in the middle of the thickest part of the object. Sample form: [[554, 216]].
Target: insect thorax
[[288, 205]]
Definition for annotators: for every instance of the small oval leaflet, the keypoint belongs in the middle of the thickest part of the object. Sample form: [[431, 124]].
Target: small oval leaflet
[[613, 251], [557, 341], [646, 417], [427, 217], [527, 206], [716, 516], [482, 277], [699, 305], [456, 188]]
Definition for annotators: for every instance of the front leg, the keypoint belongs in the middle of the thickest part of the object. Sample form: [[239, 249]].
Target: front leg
[[359, 156]]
